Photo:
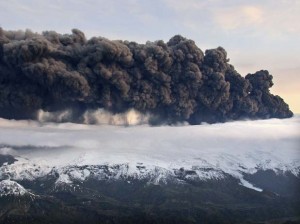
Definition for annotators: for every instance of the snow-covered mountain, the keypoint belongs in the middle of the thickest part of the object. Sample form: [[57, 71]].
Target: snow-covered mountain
[[8, 187], [197, 169], [157, 155], [73, 173]]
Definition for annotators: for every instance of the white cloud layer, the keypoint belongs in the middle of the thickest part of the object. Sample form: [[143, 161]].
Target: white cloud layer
[[242, 141], [233, 148]]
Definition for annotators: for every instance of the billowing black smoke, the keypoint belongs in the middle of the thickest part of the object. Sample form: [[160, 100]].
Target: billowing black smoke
[[173, 81]]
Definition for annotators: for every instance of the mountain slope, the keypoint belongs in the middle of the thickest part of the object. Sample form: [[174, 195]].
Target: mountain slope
[[238, 172]]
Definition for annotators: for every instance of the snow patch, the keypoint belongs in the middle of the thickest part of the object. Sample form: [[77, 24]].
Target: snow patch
[[63, 179], [249, 185], [9, 187]]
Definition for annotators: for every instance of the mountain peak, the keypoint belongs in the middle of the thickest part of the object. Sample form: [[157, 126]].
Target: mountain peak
[[9, 187]]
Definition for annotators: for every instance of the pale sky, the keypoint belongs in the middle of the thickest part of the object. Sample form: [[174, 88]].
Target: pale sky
[[256, 34]]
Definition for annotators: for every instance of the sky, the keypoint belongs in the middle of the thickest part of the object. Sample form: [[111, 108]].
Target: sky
[[256, 34]]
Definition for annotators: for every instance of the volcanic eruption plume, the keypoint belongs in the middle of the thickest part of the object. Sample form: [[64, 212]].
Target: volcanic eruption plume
[[171, 82]]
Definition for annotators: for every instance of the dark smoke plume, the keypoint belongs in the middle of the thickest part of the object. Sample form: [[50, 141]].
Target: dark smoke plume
[[173, 81]]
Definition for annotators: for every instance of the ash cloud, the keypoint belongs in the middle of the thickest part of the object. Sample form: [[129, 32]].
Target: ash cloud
[[173, 81]]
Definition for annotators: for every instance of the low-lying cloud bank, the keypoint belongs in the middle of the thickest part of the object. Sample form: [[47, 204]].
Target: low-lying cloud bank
[[243, 141], [75, 152], [65, 77]]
